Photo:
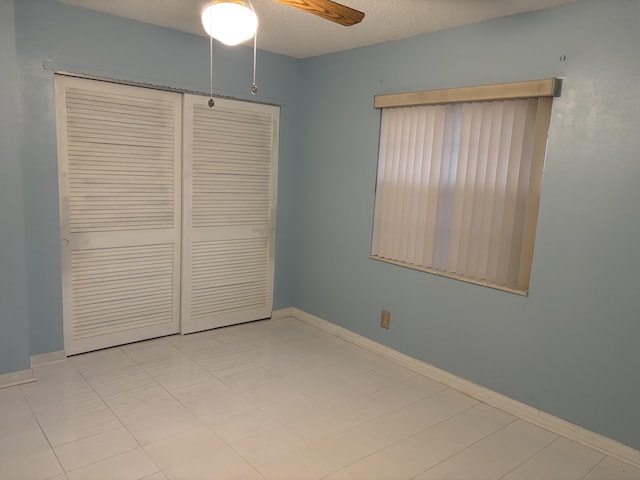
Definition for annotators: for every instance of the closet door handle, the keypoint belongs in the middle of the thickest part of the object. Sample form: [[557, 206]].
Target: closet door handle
[[64, 242]]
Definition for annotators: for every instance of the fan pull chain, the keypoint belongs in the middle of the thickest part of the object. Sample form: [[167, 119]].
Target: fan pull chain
[[254, 87], [211, 102]]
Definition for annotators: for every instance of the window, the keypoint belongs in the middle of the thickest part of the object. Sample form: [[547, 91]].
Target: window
[[459, 177]]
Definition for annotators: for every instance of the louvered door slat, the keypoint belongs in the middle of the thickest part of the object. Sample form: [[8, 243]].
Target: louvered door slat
[[230, 158], [120, 186]]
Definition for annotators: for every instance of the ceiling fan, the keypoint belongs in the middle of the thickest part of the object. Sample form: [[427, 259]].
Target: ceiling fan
[[233, 22], [328, 10]]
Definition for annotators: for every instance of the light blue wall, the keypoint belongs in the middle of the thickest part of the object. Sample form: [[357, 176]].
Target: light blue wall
[[80, 40], [14, 319], [571, 347]]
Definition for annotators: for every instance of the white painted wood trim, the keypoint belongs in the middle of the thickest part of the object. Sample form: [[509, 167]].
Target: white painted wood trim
[[17, 378], [284, 313], [47, 358], [514, 407], [549, 87]]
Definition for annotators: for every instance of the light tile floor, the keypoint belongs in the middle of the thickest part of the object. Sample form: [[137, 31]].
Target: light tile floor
[[273, 400]]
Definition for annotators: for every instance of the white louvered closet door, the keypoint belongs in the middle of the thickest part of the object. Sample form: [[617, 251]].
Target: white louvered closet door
[[120, 190], [229, 169]]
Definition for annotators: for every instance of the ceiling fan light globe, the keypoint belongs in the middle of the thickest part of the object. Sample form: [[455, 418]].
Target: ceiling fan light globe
[[229, 23]]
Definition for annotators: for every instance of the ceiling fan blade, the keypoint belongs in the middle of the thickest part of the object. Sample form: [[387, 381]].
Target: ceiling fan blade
[[327, 9]]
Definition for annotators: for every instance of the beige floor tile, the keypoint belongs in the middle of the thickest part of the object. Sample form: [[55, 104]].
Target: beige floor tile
[[379, 378], [349, 446], [16, 444], [37, 466], [102, 362], [164, 425], [514, 443], [242, 425], [272, 394], [266, 445], [74, 428], [340, 475], [221, 464], [612, 469], [473, 424], [359, 409], [429, 448], [562, 460], [55, 411], [303, 463], [183, 447], [156, 476], [212, 402], [95, 448], [391, 427], [21, 416], [470, 464], [131, 465], [150, 351], [438, 407], [387, 464]]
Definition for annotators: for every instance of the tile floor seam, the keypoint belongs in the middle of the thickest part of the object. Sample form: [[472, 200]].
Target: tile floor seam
[[189, 410], [148, 375], [450, 456], [594, 467], [536, 452], [468, 446], [37, 420], [119, 420], [558, 439]]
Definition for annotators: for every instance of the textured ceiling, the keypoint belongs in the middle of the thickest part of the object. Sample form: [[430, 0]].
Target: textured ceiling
[[288, 31]]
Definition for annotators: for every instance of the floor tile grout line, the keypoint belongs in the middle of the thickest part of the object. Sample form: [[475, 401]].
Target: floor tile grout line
[[548, 445], [206, 425], [594, 467], [427, 428], [467, 447], [119, 420], [172, 396], [557, 437], [75, 416], [55, 454]]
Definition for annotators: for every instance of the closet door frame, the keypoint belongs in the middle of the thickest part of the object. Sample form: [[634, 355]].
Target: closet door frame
[[180, 236]]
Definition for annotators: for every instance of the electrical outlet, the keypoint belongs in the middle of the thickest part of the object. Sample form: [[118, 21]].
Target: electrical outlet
[[385, 319]]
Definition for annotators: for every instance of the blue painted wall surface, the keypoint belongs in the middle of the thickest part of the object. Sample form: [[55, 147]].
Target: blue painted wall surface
[[80, 40], [14, 319], [571, 347]]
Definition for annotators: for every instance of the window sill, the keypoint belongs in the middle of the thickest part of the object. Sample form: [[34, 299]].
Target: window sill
[[523, 293]]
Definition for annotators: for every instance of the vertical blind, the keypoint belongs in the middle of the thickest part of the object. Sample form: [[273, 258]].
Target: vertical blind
[[455, 182]]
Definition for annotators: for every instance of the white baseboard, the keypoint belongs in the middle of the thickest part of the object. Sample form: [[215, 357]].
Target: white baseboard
[[46, 358], [16, 378], [284, 313], [514, 407]]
